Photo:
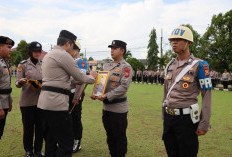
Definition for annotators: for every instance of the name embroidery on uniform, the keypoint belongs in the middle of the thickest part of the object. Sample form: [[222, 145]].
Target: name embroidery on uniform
[[127, 72], [185, 85]]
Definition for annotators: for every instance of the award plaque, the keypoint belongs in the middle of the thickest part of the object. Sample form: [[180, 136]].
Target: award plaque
[[101, 83]]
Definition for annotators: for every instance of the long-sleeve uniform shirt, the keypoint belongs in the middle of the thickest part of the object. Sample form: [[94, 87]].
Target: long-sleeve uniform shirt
[[185, 92], [5, 83], [29, 95], [118, 83], [57, 67]]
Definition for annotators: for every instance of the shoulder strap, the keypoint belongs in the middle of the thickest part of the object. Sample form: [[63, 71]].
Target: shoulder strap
[[168, 65], [181, 74]]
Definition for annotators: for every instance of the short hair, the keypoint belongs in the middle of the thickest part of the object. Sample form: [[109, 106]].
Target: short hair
[[63, 41]]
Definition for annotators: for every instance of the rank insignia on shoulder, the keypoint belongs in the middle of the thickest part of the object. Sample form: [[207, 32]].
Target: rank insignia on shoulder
[[23, 61], [127, 72], [185, 85], [20, 68], [117, 70]]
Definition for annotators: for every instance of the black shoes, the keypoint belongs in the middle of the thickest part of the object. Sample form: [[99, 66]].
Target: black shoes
[[29, 154], [39, 154], [76, 146]]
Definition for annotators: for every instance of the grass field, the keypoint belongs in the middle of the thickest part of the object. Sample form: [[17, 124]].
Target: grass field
[[144, 130]]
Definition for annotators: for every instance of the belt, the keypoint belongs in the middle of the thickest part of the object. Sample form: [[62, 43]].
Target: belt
[[106, 101], [56, 89], [5, 91], [177, 112]]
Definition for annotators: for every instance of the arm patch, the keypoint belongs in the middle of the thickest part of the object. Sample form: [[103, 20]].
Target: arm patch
[[204, 75]]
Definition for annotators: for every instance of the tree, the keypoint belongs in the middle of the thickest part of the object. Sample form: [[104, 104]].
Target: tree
[[23, 49], [152, 54], [194, 48], [135, 63], [216, 42], [91, 59], [127, 55], [20, 53], [15, 58]]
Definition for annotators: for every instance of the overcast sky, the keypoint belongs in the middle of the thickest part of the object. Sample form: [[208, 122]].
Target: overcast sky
[[97, 22]]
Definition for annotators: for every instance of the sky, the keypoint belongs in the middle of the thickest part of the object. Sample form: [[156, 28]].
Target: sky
[[97, 22]]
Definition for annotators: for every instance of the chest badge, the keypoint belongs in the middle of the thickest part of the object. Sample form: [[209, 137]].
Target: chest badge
[[113, 84], [167, 77], [185, 85], [186, 78], [117, 70]]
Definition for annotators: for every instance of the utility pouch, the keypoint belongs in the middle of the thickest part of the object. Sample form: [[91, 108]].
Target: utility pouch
[[195, 113]]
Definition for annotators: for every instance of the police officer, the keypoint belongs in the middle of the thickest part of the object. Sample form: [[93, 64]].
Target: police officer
[[115, 104], [139, 75], [186, 77], [162, 76], [225, 79], [29, 76], [57, 67], [76, 98], [5, 81]]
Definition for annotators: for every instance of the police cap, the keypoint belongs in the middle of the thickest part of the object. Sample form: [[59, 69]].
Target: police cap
[[35, 46], [118, 43], [67, 35], [6, 40]]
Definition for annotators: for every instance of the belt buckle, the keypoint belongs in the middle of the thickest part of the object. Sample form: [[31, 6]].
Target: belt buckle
[[171, 111]]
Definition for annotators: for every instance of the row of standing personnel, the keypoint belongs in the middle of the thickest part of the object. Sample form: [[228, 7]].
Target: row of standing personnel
[[149, 76]]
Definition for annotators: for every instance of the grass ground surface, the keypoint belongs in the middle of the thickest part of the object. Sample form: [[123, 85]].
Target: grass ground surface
[[144, 130]]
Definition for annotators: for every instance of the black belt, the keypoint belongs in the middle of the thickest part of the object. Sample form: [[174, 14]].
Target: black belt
[[5, 91], [106, 101], [56, 89]]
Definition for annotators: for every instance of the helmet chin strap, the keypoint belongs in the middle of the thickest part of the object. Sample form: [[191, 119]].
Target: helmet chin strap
[[182, 51]]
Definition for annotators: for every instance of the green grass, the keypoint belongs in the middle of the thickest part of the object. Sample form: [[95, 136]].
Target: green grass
[[144, 129]]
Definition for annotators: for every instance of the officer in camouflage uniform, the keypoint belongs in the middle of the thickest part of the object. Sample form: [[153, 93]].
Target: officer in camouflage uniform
[[5, 80], [182, 120], [115, 104]]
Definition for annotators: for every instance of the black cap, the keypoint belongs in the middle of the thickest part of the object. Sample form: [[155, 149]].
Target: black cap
[[6, 40], [67, 35], [118, 43], [35, 46]]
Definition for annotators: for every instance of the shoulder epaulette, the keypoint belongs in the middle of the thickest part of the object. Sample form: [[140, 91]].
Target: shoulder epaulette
[[23, 62]]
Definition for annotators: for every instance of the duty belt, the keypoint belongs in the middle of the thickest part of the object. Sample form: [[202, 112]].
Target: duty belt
[[106, 101], [56, 89], [177, 112], [5, 91]]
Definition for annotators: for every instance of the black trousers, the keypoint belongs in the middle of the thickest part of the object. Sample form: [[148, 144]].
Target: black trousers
[[139, 79], [58, 133], [76, 117], [155, 79], [2, 123], [115, 125], [31, 125], [144, 79], [179, 136], [214, 82], [225, 84]]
